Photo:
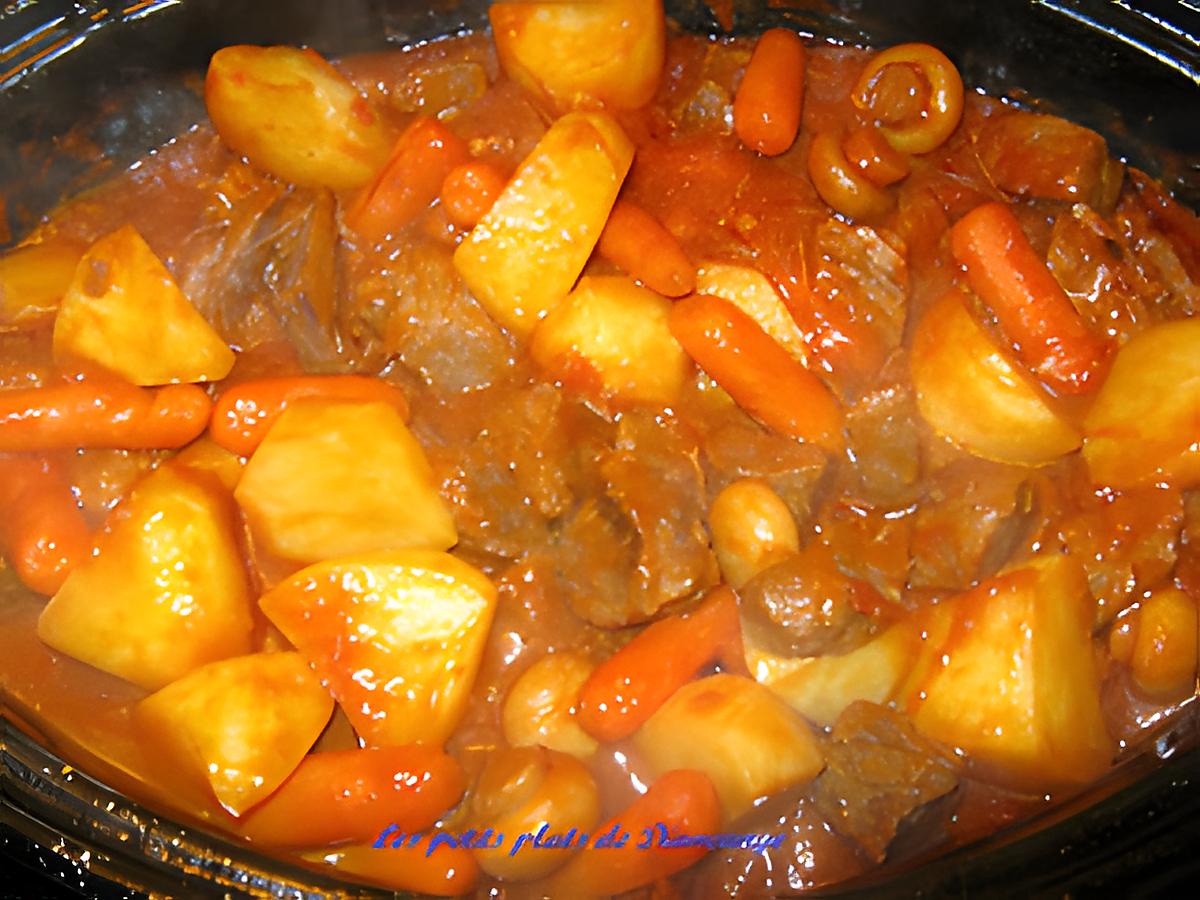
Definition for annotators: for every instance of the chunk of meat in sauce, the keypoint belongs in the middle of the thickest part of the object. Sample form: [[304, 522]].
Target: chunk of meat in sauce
[[650, 524], [884, 427], [879, 770]]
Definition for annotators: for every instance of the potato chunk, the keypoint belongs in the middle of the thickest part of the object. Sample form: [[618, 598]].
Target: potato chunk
[[395, 636], [528, 250], [1145, 423], [295, 116], [1007, 673], [609, 338], [166, 591], [969, 391], [124, 312], [575, 53], [33, 280], [243, 724], [738, 733], [334, 478]]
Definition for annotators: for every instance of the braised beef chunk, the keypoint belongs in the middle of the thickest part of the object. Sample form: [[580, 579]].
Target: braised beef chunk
[[879, 770], [884, 431], [804, 606], [740, 448], [1043, 156], [649, 525]]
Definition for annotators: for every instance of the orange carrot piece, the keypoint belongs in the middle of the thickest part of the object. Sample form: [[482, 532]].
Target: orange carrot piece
[[628, 687], [446, 872], [357, 796], [244, 413], [102, 413], [1049, 336], [766, 110], [422, 158], [681, 802], [869, 152], [44, 532], [470, 190], [759, 374], [639, 244]]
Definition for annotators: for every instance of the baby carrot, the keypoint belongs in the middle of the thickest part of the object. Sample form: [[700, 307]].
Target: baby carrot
[[766, 110], [244, 413], [681, 802], [638, 243], [44, 532], [469, 192], [102, 413], [356, 796], [446, 872], [1033, 312], [627, 688], [762, 377], [422, 158]]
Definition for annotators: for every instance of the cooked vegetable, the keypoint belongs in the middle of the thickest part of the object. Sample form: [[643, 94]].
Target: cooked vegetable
[[752, 292], [943, 109], [766, 111], [869, 153], [243, 724], [840, 184], [124, 313], [33, 279], [165, 592], [1133, 409], [101, 412], [411, 179], [1007, 673], [44, 533], [639, 244], [204, 455], [355, 796], [295, 116], [626, 689], [333, 478], [470, 190], [820, 688], [609, 339], [396, 636], [576, 52], [528, 250], [244, 413], [742, 736], [528, 794], [752, 529], [682, 802], [541, 705], [969, 391], [1163, 658], [756, 371], [1033, 312]]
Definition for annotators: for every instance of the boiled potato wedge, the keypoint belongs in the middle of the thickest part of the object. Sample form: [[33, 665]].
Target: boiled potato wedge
[[582, 53], [244, 724], [526, 253], [973, 394], [165, 592], [738, 733], [295, 116], [1007, 673], [1145, 423], [333, 478], [124, 313], [609, 339], [34, 278], [396, 636]]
